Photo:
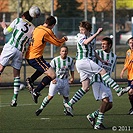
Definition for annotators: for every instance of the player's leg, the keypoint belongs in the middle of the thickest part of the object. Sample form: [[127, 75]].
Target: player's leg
[[77, 96], [41, 65], [103, 93], [16, 87], [84, 79], [80, 93], [110, 82], [130, 95], [65, 89], [53, 88], [30, 80], [16, 64], [100, 117]]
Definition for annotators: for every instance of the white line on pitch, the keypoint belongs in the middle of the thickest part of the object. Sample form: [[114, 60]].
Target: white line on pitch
[[7, 104]]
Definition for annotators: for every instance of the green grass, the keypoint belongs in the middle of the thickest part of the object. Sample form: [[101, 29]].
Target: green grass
[[22, 119]]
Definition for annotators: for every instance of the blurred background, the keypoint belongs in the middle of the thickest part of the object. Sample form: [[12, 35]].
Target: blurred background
[[114, 16]]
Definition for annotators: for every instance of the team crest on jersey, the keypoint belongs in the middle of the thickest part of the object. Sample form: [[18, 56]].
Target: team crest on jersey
[[128, 53]]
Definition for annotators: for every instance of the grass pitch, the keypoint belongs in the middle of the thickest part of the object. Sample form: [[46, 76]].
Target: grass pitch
[[22, 119]]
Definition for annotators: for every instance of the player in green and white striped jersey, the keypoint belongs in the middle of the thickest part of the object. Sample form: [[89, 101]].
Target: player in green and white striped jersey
[[64, 68], [21, 29], [100, 91], [86, 67]]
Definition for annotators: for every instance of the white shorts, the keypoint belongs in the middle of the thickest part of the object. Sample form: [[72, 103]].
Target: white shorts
[[62, 86], [87, 68], [101, 91], [10, 53]]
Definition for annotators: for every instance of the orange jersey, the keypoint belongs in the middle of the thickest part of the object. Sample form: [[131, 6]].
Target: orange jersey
[[41, 35], [129, 64]]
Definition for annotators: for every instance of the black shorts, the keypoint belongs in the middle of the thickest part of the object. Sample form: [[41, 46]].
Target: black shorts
[[39, 63], [129, 83]]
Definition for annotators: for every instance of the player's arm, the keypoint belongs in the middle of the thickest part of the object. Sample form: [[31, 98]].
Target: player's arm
[[52, 39], [88, 40], [8, 29], [99, 58], [71, 80]]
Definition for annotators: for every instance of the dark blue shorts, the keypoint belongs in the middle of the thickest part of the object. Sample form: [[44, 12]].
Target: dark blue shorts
[[129, 83], [39, 63]]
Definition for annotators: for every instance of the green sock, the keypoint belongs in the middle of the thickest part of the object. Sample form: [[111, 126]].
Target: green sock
[[15, 97], [94, 114], [44, 103], [77, 96], [100, 118]]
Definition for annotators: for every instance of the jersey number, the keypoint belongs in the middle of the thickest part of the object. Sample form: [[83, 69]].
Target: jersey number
[[25, 30]]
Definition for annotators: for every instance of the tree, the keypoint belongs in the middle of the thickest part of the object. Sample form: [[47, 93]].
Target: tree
[[68, 9]]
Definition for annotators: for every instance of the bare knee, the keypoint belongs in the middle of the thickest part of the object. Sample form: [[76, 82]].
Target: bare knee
[[106, 100], [51, 73], [130, 92], [102, 72]]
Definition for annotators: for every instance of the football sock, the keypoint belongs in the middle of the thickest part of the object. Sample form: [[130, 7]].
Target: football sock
[[44, 103], [94, 114], [45, 81], [16, 87], [100, 118], [77, 96], [131, 100], [109, 81], [35, 75], [65, 100]]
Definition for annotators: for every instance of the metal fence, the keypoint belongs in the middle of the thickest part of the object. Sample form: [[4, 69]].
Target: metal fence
[[26, 71]]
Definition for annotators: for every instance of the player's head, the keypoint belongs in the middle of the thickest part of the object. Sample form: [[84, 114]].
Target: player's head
[[63, 51], [50, 21], [27, 16], [84, 27], [130, 42], [106, 44]]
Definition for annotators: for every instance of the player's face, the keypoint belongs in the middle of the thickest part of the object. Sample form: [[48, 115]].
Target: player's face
[[130, 43], [83, 30], [105, 46], [63, 52]]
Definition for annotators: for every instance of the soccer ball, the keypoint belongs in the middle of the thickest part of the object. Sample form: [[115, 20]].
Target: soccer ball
[[34, 11], [22, 86]]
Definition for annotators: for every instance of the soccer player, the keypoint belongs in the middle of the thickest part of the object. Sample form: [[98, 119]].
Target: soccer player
[[64, 68], [100, 91], [34, 55], [86, 67], [128, 65], [21, 29]]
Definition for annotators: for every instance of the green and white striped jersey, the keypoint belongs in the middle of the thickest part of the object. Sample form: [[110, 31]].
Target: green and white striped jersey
[[21, 32], [62, 67], [110, 58], [84, 51]]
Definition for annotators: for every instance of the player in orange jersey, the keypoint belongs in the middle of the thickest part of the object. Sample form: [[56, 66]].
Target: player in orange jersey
[[34, 55], [128, 65]]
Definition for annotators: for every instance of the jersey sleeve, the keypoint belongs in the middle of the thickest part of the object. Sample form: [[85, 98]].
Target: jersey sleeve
[[52, 39], [81, 38], [11, 26]]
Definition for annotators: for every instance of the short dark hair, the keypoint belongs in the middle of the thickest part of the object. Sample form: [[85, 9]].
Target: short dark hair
[[27, 16], [64, 46], [50, 21], [109, 40], [86, 25]]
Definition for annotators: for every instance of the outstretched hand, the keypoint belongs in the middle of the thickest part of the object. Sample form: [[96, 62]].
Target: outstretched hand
[[99, 30], [3, 25]]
